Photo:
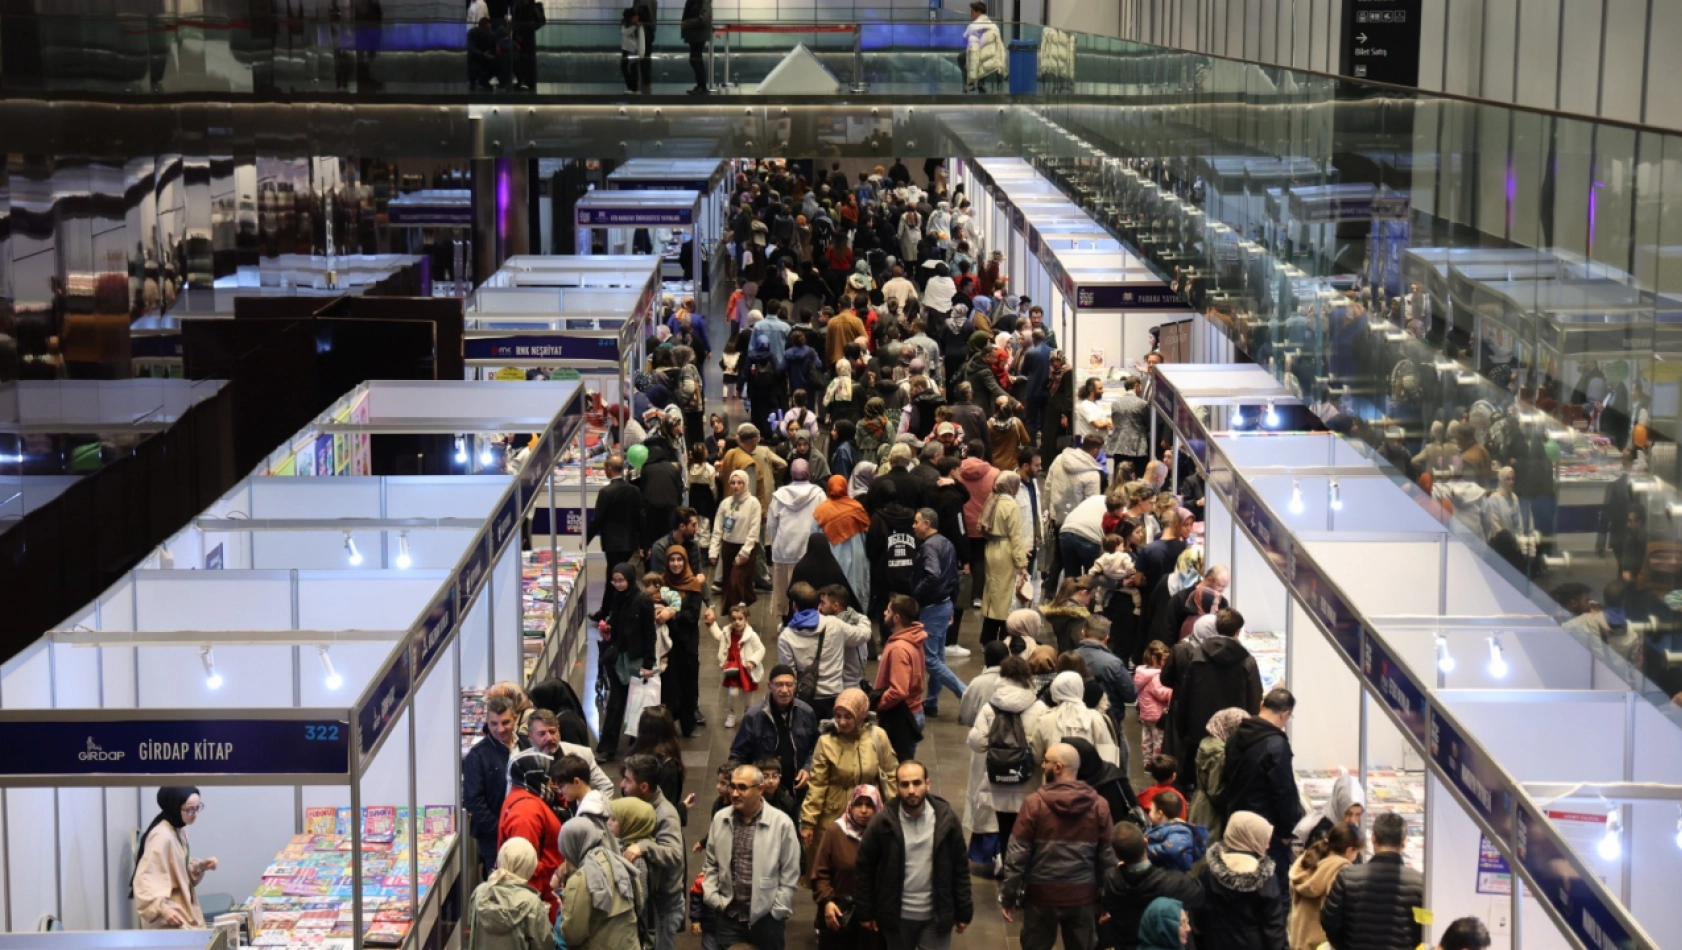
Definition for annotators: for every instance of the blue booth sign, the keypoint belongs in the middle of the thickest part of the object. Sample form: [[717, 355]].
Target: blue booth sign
[[385, 701], [1588, 914], [553, 348], [1470, 771], [189, 747], [1132, 296], [1395, 685], [634, 217], [505, 523]]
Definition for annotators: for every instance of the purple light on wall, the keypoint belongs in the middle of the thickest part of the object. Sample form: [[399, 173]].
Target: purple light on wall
[[504, 188], [1594, 205], [1512, 193]]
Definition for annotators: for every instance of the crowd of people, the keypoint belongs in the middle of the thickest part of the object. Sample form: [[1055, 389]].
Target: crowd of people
[[902, 400]]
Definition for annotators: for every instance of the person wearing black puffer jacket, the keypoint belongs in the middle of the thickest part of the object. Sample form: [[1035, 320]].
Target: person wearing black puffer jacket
[[1371, 906], [913, 867]]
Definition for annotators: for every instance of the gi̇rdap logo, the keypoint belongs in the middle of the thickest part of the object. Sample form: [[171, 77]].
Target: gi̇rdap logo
[[93, 753]]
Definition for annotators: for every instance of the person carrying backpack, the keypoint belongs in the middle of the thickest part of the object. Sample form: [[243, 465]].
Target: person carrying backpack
[[1003, 770]]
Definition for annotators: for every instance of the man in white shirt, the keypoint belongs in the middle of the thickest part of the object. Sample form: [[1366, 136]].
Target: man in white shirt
[[1092, 414], [899, 289]]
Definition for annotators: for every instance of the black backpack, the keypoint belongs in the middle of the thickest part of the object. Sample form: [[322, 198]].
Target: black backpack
[[1010, 761]]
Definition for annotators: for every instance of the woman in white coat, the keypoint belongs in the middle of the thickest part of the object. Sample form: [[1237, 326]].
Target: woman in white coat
[[990, 810], [1069, 717]]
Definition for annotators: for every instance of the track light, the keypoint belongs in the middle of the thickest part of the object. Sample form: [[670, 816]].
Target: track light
[[1337, 496], [1445, 659], [1679, 826], [1497, 658], [486, 457], [1271, 420], [461, 450], [1611, 846], [1296, 496], [351, 553], [212, 679], [334, 680], [403, 558], [1238, 416]]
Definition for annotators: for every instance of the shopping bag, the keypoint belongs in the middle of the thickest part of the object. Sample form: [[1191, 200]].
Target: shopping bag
[[642, 694]]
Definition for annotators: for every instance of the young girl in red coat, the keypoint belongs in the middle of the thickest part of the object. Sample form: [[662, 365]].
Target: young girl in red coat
[[740, 653]]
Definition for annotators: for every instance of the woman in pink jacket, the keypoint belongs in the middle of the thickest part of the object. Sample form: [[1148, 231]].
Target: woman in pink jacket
[[1153, 699]]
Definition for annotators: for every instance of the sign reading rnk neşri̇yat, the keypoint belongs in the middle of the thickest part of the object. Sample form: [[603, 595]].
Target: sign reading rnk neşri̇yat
[[1381, 41]]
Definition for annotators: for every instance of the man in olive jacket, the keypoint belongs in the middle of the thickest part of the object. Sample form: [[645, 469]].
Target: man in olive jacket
[[1371, 906], [913, 868]]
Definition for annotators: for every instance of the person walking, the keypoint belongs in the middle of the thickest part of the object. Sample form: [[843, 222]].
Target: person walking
[[999, 737], [852, 750], [788, 526], [1258, 778], [1241, 906], [984, 50], [1070, 718], [603, 893], [1134, 885], [752, 866], [820, 643], [1312, 878], [779, 727], [845, 524], [1211, 762], [914, 885], [668, 863], [681, 680], [1004, 564], [901, 676], [504, 912], [617, 520], [835, 876], [1374, 906], [164, 883], [735, 535], [934, 585], [1055, 861], [1208, 676], [696, 28]]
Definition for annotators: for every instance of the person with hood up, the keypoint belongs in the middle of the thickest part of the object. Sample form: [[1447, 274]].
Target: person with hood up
[[1068, 611], [505, 913], [1164, 925], [1211, 762], [603, 893], [1208, 675], [890, 545], [902, 676], [801, 363], [166, 876], [1242, 909], [1004, 563], [1070, 717], [1345, 806], [852, 750], [788, 526], [1057, 855], [1311, 881], [1135, 885], [1258, 777], [990, 809], [845, 525]]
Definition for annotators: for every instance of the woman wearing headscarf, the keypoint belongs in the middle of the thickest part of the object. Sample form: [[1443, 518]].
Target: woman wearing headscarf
[[989, 809], [1164, 925], [835, 873], [1006, 556], [1109, 781], [1241, 908], [1022, 631], [864, 476], [558, 697], [735, 532], [1344, 806], [164, 884], [505, 913], [843, 454], [630, 627], [681, 682], [851, 751], [844, 524], [599, 904], [1070, 717], [1211, 761]]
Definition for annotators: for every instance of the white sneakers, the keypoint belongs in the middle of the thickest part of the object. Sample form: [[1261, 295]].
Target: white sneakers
[[730, 721], [955, 652]]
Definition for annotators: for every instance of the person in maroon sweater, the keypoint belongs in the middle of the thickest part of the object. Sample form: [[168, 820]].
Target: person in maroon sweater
[[1055, 861]]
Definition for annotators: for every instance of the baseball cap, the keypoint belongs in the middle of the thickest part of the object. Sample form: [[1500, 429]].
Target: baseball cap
[[945, 428]]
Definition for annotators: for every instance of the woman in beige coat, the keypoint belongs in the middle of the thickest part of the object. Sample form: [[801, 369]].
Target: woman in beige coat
[[166, 876], [1006, 554], [1311, 880]]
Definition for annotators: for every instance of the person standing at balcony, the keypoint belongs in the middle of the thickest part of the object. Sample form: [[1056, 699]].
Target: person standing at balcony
[[528, 19], [984, 49], [697, 27]]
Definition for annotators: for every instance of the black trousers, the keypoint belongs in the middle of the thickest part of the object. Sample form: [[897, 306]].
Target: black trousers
[[680, 685], [628, 67], [613, 722], [698, 63]]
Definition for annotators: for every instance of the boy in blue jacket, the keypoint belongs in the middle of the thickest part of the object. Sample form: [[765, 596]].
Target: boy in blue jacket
[[1172, 843]]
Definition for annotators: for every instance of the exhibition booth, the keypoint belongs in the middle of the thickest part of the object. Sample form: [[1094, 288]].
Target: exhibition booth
[[310, 653], [1419, 668], [658, 222], [710, 177]]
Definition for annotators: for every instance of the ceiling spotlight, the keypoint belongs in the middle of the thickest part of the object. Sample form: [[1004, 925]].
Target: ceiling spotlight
[[1611, 846], [1337, 496], [461, 450], [334, 680], [351, 553], [1497, 658], [1296, 496], [485, 455], [212, 679], [403, 558], [1679, 826], [1445, 659], [1238, 416], [1272, 417]]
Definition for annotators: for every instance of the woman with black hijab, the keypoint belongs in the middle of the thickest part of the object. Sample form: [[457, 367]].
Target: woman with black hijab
[[630, 625], [681, 685], [558, 697], [819, 568], [164, 884], [1109, 781]]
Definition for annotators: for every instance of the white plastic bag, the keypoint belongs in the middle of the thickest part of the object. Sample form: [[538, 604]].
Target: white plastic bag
[[642, 694]]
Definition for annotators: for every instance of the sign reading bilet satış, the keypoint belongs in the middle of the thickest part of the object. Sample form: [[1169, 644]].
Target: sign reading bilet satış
[[1381, 41], [175, 747]]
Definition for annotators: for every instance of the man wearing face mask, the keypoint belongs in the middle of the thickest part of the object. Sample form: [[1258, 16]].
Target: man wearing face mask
[[1056, 858], [528, 813]]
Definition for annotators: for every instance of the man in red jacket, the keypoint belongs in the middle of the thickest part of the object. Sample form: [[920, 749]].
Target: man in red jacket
[[1056, 858], [901, 678], [526, 813]]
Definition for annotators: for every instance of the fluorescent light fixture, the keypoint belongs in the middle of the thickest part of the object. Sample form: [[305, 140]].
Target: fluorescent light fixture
[[1296, 496], [1445, 659], [1611, 846], [1497, 658], [212, 679], [1272, 417], [461, 450], [1337, 496], [334, 680], [403, 558], [351, 553]]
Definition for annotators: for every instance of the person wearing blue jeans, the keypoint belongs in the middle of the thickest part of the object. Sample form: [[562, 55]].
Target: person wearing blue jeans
[[934, 582]]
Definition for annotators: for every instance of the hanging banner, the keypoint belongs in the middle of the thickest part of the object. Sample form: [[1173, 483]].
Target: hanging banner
[[634, 217], [169, 747], [1475, 775], [1583, 908], [1394, 684], [548, 348], [1133, 296]]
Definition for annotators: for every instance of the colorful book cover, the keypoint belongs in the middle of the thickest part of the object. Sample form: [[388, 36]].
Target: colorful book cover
[[321, 820], [329, 843], [438, 820], [282, 871], [272, 938], [342, 826], [316, 920], [386, 934], [379, 820]]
